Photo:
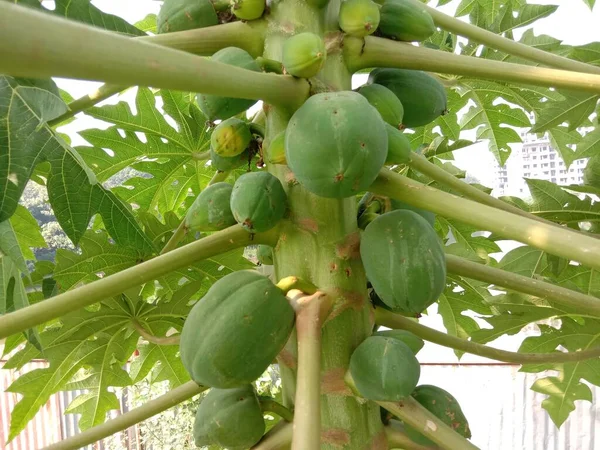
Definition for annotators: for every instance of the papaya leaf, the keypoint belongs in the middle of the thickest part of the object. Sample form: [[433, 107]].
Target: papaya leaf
[[567, 387], [147, 24], [573, 110], [524, 16], [466, 241], [590, 3], [589, 145]]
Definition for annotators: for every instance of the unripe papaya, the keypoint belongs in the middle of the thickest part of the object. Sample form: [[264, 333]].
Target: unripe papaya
[[230, 138], [229, 418], [276, 149], [215, 107], [427, 215], [248, 9], [264, 254], [591, 174], [234, 332], [181, 15], [384, 101], [258, 201], [211, 211], [423, 97], [336, 144], [404, 260], [405, 21], [415, 343], [444, 406], [398, 146], [359, 17], [223, 163], [303, 55], [384, 369]]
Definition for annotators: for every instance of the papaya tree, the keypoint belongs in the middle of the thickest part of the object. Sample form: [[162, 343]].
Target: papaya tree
[[359, 219]]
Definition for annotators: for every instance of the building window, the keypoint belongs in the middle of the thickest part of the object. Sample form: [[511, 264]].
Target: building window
[[553, 173], [552, 156], [561, 164], [545, 165], [563, 180], [533, 149], [527, 174], [535, 166], [553, 180], [546, 172]]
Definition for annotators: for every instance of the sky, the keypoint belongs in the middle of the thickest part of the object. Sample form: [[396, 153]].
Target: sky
[[573, 23]]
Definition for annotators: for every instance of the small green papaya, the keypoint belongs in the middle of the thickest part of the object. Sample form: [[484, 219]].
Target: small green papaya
[[423, 97], [427, 215], [404, 260], [415, 343], [211, 211], [384, 101], [336, 144], [234, 332], [229, 418], [398, 147], [444, 406], [181, 15], [276, 149], [223, 163], [359, 17], [384, 369], [405, 21], [215, 107], [264, 254], [248, 9], [230, 138], [258, 201], [304, 55], [591, 174]]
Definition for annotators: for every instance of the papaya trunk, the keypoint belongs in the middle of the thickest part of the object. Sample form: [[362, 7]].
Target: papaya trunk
[[319, 243]]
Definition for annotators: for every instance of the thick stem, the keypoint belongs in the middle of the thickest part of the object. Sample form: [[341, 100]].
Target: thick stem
[[269, 404], [412, 413], [166, 340], [279, 438], [555, 240], [124, 421], [52, 308], [397, 438], [509, 46], [379, 52], [582, 304], [71, 49], [391, 320]]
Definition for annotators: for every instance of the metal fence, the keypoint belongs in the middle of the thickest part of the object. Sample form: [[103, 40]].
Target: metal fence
[[502, 411]]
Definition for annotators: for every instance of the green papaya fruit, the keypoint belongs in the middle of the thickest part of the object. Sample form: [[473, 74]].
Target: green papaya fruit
[[223, 163], [444, 406], [248, 9], [230, 138], [384, 101], [276, 149], [415, 343], [303, 55], [423, 97], [405, 21], [264, 254], [317, 3], [229, 418], [181, 15], [336, 144], [215, 107], [359, 17], [591, 174], [398, 147], [427, 215], [211, 211], [404, 260], [384, 369], [234, 332], [258, 201]]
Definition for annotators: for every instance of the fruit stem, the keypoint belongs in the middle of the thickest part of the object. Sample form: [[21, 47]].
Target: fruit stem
[[397, 438], [391, 320], [71, 49], [307, 411], [124, 421], [583, 304], [379, 52], [278, 438], [256, 128], [412, 413], [288, 283], [202, 156], [555, 240], [421, 164], [221, 5], [270, 65], [166, 340], [269, 404], [499, 42], [54, 307]]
